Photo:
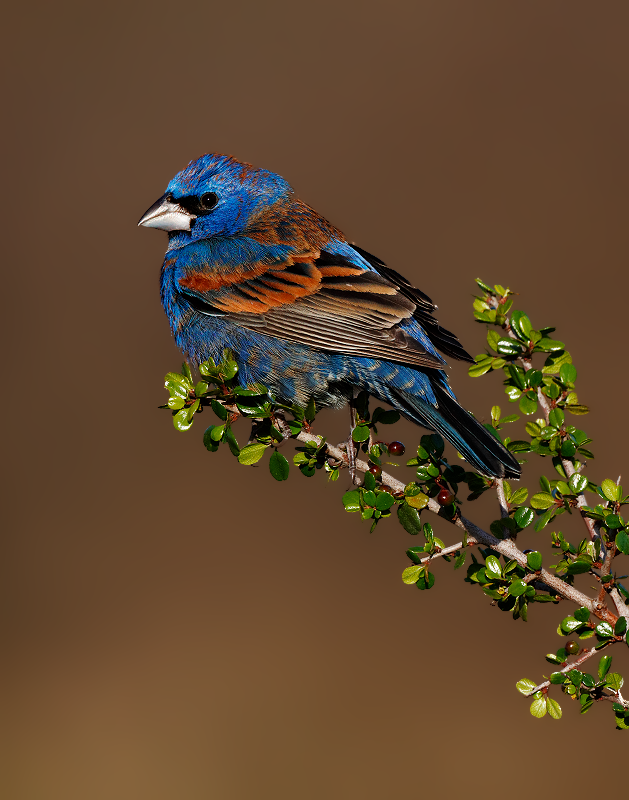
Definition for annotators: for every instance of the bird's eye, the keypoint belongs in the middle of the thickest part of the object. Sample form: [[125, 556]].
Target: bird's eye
[[208, 201]]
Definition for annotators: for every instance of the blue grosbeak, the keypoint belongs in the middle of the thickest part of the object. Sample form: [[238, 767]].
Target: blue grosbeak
[[251, 268]]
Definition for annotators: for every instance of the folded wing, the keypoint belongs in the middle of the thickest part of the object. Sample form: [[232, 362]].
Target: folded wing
[[326, 301]]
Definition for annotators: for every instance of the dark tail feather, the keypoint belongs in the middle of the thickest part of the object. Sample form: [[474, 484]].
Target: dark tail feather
[[457, 426]]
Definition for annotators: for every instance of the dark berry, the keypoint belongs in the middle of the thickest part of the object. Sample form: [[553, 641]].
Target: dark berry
[[375, 470], [572, 648], [396, 449], [445, 497]]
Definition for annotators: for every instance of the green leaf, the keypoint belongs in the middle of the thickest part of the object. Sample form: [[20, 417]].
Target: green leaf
[[513, 393], [476, 370], [534, 560], [508, 347], [210, 443], [217, 432], [528, 403], [181, 420], [517, 588], [231, 442], [570, 624], [603, 666], [360, 433], [610, 490], [176, 388], [524, 516], [546, 517], [525, 686], [522, 325], [534, 378], [622, 542], [562, 487], [220, 410], [517, 375], [557, 678], [175, 403], [369, 498], [411, 574], [614, 681], [493, 568], [519, 496], [278, 466], [177, 378], [228, 369], [493, 337], [542, 500], [484, 287], [369, 482], [538, 707], [418, 501], [351, 500], [579, 566], [384, 501], [460, 559], [620, 628], [578, 410], [556, 417], [568, 449], [426, 580], [252, 453], [553, 708], [409, 518], [582, 614], [207, 367], [533, 429], [578, 483], [568, 373], [604, 630], [549, 345], [389, 417]]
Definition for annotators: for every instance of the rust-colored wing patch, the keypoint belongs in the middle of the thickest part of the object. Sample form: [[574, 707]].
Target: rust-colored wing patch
[[255, 288]]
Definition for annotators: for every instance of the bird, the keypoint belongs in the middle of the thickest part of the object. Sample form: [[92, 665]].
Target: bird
[[251, 268]]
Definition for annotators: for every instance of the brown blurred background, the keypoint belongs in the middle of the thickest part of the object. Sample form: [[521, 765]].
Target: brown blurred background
[[166, 632]]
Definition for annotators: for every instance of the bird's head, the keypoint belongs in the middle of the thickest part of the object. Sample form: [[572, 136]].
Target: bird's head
[[215, 195]]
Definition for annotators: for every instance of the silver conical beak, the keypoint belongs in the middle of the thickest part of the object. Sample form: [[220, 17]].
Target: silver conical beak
[[167, 216]]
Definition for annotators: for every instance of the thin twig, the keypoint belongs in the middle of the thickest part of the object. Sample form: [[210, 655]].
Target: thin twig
[[606, 569], [621, 608], [503, 546], [446, 551], [504, 506], [616, 697], [581, 503], [573, 665], [502, 498]]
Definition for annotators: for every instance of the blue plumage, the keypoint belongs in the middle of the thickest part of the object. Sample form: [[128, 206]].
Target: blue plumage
[[252, 268]]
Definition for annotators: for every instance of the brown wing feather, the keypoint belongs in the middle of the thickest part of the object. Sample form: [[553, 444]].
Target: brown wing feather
[[338, 307]]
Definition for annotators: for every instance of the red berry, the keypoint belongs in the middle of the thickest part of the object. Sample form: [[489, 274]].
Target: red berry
[[396, 449], [572, 648], [375, 470], [445, 497]]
